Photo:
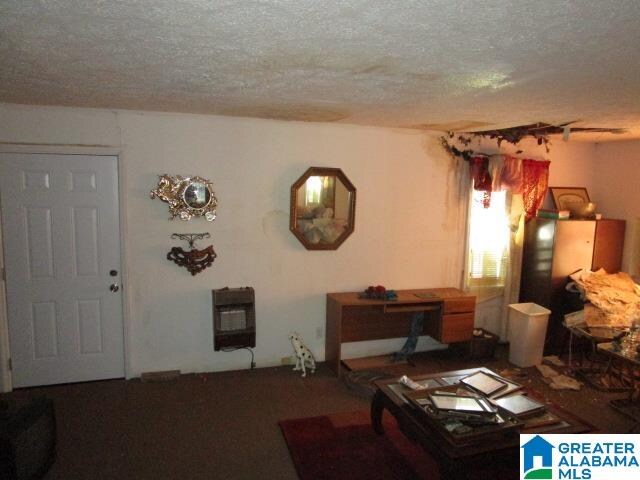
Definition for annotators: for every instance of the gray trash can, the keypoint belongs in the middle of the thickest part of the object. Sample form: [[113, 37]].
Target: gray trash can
[[527, 330]]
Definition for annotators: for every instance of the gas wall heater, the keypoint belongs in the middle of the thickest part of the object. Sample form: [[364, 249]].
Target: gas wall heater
[[234, 318]]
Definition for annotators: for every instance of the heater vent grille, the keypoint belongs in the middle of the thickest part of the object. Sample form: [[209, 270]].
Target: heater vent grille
[[233, 320]]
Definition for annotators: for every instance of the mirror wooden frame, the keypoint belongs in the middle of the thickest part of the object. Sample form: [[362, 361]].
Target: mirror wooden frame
[[351, 209]]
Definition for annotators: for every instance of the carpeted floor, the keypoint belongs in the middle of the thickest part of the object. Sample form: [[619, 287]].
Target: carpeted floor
[[225, 425]]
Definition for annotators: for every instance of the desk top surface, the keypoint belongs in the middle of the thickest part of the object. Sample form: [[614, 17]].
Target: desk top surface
[[420, 295]]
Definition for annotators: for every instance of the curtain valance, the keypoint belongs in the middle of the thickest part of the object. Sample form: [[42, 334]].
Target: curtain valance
[[505, 172]]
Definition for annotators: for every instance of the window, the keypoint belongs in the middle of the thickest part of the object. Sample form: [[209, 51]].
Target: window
[[488, 240], [314, 188]]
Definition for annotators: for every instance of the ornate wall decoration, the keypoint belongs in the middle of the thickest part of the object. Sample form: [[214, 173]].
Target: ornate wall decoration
[[193, 259], [187, 196]]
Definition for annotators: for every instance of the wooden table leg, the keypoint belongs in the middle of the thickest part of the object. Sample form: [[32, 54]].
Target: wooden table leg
[[377, 409]]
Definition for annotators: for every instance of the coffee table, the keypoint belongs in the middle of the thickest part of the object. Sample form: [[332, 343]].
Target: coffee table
[[457, 461], [628, 369]]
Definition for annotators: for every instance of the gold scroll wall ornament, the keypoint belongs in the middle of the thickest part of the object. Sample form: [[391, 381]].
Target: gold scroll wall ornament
[[187, 196]]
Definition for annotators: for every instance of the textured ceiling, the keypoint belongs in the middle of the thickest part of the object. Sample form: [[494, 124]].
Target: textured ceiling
[[449, 64]]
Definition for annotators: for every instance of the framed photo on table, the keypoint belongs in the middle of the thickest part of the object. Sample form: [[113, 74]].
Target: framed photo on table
[[562, 196]]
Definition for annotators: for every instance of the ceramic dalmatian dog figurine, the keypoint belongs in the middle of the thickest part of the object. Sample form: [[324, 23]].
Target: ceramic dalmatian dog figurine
[[304, 357]]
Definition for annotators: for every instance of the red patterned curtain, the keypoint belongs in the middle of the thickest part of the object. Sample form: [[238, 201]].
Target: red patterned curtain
[[535, 180], [481, 177]]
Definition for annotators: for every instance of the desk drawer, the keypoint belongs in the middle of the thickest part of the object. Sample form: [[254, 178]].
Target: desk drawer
[[373, 323], [457, 327], [459, 305]]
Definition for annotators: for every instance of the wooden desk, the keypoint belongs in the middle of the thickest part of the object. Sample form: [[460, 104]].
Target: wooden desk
[[449, 316]]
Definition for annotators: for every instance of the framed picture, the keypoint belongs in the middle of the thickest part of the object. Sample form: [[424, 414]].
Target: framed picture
[[565, 195]]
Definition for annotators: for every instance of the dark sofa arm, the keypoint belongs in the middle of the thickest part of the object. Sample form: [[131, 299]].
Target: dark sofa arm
[[27, 439]]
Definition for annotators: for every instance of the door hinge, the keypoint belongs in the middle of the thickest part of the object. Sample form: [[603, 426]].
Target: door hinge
[[4, 277], [9, 364]]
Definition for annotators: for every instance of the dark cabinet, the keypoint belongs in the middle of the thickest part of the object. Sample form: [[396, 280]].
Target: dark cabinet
[[554, 249]]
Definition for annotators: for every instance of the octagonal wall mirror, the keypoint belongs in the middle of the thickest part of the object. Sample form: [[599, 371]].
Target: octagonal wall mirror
[[323, 208]]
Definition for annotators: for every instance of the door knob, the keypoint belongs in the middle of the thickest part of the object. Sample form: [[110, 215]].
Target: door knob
[[114, 287]]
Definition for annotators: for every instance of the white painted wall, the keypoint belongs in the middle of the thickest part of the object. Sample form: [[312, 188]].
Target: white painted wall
[[407, 232], [617, 193], [572, 165], [404, 236]]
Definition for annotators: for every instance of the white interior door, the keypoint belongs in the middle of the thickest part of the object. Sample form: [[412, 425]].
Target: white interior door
[[61, 234]]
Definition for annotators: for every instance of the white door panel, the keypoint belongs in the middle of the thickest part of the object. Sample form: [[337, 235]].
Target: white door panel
[[61, 240]]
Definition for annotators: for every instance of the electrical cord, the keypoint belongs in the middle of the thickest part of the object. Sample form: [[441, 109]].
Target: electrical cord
[[233, 349]]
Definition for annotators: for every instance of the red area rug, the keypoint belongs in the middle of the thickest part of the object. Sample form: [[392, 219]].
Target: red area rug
[[344, 446]]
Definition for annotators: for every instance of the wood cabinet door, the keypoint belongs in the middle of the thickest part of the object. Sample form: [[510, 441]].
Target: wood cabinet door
[[573, 248], [609, 241]]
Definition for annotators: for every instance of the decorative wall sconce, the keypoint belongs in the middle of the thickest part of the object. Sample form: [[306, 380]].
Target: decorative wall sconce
[[193, 260], [187, 196]]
